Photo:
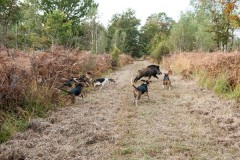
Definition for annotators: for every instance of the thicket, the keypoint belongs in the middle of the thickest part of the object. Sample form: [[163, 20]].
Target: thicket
[[29, 81]]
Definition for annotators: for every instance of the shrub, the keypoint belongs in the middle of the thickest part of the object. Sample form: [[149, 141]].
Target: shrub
[[115, 57], [29, 81], [161, 50], [125, 59]]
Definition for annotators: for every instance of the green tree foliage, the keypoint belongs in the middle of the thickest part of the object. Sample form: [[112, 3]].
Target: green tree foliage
[[41, 23], [98, 35], [75, 10], [161, 50], [204, 42], [57, 28], [101, 42], [115, 57], [210, 26], [123, 33], [223, 20], [9, 15], [183, 33], [30, 31], [93, 37], [156, 29], [37, 24]]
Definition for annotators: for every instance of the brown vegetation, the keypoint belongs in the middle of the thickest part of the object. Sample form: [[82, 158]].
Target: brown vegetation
[[31, 78], [212, 64], [188, 122], [20, 69]]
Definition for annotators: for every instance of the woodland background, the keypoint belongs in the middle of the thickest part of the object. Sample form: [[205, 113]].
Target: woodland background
[[38, 24]]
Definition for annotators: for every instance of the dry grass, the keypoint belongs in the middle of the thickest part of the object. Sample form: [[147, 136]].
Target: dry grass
[[224, 66], [178, 124], [188, 122]]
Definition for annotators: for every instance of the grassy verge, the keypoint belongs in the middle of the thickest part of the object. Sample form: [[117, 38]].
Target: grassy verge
[[216, 71], [219, 84], [11, 124], [16, 119]]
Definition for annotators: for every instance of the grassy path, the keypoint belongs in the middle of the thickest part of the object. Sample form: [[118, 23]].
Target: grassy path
[[185, 123]]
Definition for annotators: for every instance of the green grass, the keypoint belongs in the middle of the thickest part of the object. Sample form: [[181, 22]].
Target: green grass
[[219, 85], [127, 151], [235, 94], [11, 125], [15, 121], [206, 81]]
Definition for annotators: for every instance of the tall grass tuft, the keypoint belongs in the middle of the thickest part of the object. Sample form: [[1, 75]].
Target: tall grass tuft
[[205, 81], [11, 125], [221, 85], [236, 93]]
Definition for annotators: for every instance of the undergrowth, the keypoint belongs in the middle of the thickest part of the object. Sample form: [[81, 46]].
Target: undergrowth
[[29, 82], [216, 71], [16, 118], [11, 125], [219, 84], [204, 81]]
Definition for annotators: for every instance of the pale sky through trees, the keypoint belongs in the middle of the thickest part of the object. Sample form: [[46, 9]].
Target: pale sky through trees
[[143, 8]]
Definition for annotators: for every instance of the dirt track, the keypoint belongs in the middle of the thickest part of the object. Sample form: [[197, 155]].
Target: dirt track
[[185, 123]]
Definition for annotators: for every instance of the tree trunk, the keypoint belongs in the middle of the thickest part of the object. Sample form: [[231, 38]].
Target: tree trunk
[[4, 32], [232, 39]]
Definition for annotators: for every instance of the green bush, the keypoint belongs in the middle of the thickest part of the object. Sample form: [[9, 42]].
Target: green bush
[[115, 57], [161, 50]]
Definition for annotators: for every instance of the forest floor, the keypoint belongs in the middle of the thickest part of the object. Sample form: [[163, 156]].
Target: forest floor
[[187, 122]]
